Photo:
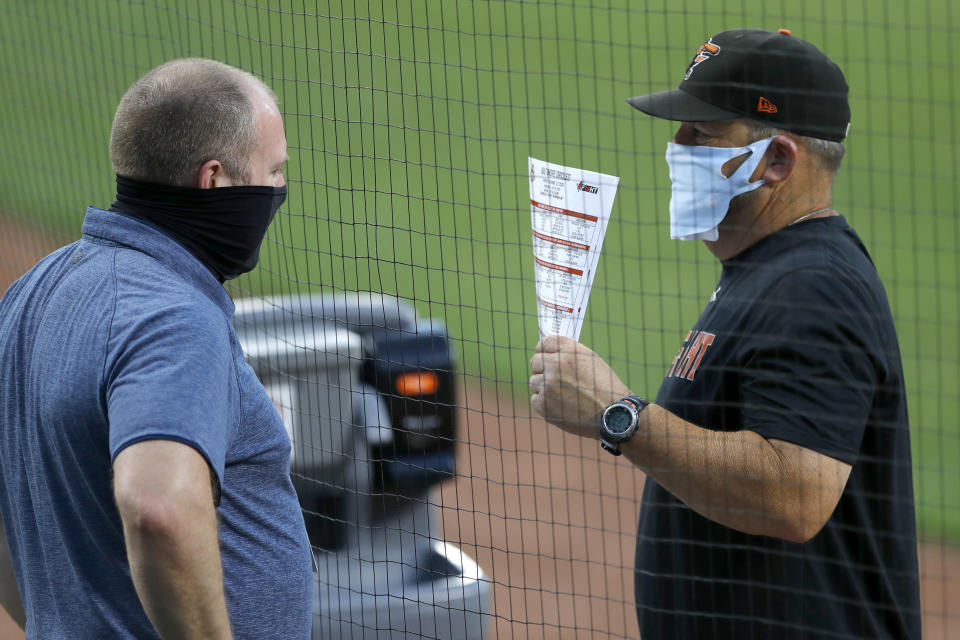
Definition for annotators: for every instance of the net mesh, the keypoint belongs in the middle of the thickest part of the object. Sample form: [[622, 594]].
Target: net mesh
[[409, 125]]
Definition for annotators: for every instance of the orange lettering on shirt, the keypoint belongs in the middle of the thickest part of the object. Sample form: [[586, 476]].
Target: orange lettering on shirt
[[689, 356], [705, 340]]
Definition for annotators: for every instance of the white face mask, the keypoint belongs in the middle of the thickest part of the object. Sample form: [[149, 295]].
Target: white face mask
[[701, 193]]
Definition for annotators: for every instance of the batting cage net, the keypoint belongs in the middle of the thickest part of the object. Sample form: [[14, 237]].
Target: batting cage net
[[441, 159]]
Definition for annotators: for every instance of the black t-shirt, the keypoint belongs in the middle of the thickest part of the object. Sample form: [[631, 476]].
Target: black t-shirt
[[798, 344]]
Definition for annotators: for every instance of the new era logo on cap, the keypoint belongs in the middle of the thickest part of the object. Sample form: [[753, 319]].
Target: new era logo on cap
[[765, 106]]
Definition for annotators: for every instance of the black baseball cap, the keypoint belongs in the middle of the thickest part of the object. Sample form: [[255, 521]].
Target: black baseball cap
[[768, 76]]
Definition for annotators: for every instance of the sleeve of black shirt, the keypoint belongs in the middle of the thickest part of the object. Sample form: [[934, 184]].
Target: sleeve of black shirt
[[811, 370]]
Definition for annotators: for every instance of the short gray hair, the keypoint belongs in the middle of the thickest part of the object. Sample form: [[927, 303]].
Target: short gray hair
[[826, 153], [179, 116]]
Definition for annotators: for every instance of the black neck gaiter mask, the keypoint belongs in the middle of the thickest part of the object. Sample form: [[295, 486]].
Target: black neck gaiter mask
[[222, 227]]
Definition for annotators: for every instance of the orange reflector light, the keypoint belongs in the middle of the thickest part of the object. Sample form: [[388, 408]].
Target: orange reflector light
[[785, 32], [417, 383]]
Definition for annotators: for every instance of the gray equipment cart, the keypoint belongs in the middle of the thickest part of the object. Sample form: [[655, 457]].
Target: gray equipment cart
[[366, 391]]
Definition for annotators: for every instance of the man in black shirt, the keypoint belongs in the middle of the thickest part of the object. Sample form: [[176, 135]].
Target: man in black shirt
[[779, 499]]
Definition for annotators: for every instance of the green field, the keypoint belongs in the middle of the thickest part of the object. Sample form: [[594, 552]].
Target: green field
[[409, 127]]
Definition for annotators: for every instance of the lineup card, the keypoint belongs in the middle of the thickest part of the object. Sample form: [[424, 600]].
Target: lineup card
[[569, 211]]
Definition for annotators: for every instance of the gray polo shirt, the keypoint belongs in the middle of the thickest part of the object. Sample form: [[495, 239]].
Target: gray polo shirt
[[120, 337]]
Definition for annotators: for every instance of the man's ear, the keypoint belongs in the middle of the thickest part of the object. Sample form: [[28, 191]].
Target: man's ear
[[780, 161], [213, 175]]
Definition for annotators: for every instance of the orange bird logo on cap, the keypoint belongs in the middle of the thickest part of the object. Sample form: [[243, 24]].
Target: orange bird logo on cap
[[707, 50]]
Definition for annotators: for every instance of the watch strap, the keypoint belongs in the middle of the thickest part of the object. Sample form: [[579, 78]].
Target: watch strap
[[636, 401]]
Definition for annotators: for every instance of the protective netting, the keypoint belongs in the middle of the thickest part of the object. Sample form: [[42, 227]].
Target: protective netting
[[409, 126]]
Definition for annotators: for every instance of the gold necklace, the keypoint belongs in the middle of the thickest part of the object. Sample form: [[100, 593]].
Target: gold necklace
[[812, 213]]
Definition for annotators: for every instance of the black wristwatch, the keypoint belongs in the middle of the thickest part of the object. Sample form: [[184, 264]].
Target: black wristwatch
[[619, 422]]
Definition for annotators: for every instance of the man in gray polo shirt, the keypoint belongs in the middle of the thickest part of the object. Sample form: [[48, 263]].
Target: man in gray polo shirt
[[144, 487]]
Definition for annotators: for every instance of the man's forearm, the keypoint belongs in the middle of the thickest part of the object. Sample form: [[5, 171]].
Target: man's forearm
[[176, 569], [739, 479], [9, 591]]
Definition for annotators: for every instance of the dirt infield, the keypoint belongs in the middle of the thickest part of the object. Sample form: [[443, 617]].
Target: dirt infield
[[21, 245], [550, 520]]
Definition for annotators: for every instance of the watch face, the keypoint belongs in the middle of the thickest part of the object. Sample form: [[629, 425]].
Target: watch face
[[618, 419]]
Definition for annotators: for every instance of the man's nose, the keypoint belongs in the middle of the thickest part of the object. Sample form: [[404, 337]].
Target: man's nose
[[684, 135]]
